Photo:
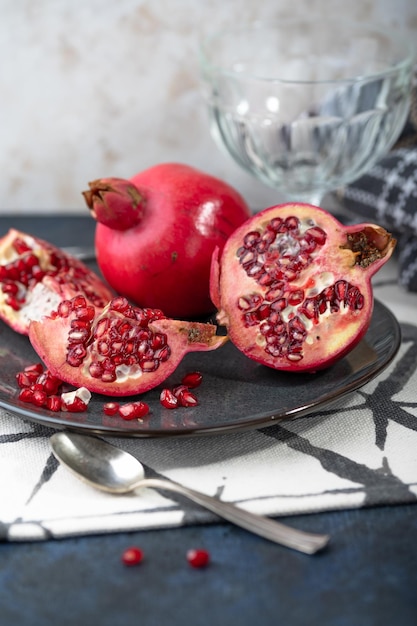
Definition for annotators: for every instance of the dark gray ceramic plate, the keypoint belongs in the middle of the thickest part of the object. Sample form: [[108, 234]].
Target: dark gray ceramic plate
[[236, 393]]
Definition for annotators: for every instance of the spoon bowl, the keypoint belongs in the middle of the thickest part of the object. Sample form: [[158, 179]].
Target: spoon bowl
[[97, 462], [106, 467]]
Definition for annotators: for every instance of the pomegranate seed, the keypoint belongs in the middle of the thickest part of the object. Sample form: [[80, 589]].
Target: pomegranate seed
[[317, 234], [79, 302], [86, 313], [77, 406], [108, 376], [9, 287], [64, 308], [23, 380], [21, 246], [275, 224], [120, 304], [296, 297], [31, 260], [96, 369], [132, 556], [111, 408], [14, 303], [197, 557], [178, 390], [48, 383], [35, 367], [251, 238], [26, 395], [37, 273], [186, 398], [133, 410], [192, 379], [168, 399], [53, 403], [75, 401], [159, 340], [39, 397]]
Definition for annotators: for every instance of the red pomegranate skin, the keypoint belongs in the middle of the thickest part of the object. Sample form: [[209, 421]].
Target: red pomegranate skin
[[293, 285], [156, 233]]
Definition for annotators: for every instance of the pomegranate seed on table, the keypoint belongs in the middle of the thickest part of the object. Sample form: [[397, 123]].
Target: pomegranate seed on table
[[132, 556], [198, 557]]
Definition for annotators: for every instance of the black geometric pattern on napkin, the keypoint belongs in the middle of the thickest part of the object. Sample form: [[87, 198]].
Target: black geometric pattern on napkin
[[376, 484], [379, 486]]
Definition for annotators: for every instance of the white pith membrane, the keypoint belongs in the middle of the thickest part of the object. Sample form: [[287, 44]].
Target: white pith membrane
[[39, 302], [82, 393]]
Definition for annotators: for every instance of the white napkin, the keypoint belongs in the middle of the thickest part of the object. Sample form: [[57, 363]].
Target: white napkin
[[360, 452]]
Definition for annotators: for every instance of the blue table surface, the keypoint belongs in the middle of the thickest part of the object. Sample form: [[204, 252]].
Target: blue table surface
[[366, 577]]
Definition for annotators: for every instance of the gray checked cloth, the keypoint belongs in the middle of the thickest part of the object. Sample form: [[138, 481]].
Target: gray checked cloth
[[387, 195]]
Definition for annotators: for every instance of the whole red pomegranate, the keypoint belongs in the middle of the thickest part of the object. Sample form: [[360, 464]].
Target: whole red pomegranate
[[293, 285], [35, 276], [119, 350], [157, 231]]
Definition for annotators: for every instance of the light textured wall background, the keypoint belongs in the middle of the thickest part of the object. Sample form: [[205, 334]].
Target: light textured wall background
[[108, 88]]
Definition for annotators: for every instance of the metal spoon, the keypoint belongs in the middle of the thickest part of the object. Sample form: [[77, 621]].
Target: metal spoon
[[106, 467]]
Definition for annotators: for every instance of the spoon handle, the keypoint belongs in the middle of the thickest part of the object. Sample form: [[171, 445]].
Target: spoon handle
[[309, 543]]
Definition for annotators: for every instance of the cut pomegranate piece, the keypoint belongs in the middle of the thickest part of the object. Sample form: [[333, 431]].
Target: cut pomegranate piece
[[122, 350], [35, 276], [293, 285]]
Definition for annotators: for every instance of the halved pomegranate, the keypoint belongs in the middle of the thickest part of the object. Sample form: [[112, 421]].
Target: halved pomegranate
[[35, 276], [293, 285], [118, 351]]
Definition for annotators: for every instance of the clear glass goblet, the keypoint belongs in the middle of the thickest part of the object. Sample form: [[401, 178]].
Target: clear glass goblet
[[307, 105]]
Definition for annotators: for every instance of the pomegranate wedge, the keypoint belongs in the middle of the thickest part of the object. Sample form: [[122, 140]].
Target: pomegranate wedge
[[293, 285], [35, 276], [118, 351]]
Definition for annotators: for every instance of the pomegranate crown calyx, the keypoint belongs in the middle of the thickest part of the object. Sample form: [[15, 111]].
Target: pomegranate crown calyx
[[115, 202]]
